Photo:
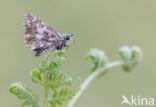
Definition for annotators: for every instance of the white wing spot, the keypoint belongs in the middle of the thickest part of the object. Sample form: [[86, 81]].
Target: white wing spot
[[27, 36], [34, 19], [40, 31], [39, 37], [33, 47], [49, 44]]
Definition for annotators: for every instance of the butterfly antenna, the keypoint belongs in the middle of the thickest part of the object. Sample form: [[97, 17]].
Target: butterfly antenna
[[74, 41]]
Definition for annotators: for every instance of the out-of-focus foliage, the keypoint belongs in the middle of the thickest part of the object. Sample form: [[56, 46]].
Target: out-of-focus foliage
[[130, 53], [98, 58]]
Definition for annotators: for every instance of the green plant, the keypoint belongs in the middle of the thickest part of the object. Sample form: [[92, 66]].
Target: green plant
[[130, 58], [57, 85]]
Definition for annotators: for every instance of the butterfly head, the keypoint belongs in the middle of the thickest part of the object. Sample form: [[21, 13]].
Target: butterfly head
[[68, 37]]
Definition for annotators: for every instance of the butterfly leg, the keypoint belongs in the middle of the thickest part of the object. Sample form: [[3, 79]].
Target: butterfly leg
[[50, 53], [66, 45], [67, 48], [60, 49]]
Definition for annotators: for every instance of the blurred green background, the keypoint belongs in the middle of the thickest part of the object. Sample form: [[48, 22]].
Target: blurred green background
[[103, 24]]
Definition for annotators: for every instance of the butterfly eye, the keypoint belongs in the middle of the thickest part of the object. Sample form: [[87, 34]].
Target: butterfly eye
[[67, 37]]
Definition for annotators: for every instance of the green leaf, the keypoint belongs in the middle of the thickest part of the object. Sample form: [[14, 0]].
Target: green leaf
[[53, 65], [24, 94], [37, 76], [59, 79], [62, 95], [53, 103], [55, 94]]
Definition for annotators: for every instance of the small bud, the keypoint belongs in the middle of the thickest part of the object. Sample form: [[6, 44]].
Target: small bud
[[126, 53], [130, 54], [137, 53], [98, 58]]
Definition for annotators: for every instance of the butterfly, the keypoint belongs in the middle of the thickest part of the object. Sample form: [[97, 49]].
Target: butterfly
[[40, 37]]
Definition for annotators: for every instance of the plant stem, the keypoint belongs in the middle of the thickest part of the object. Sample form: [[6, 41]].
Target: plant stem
[[94, 75], [46, 91]]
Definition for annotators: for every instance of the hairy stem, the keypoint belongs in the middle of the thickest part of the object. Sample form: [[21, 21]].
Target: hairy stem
[[94, 75], [46, 91]]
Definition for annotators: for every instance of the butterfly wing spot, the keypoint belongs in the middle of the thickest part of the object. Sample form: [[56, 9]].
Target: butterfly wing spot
[[39, 37]]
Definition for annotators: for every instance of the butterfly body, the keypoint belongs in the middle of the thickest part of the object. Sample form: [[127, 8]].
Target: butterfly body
[[40, 36]]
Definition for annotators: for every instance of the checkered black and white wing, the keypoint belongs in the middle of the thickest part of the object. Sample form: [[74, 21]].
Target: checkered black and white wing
[[39, 36]]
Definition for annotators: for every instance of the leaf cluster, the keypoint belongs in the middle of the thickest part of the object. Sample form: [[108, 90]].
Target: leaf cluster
[[63, 95], [58, 83], [24, 94]]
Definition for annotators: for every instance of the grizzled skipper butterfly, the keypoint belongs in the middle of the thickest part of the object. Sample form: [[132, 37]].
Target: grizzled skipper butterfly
[[41, 37]]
